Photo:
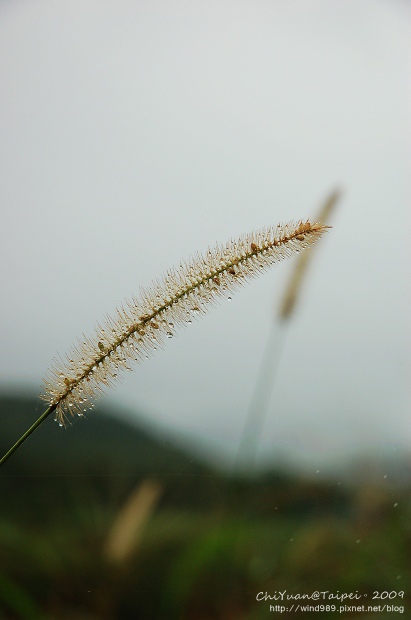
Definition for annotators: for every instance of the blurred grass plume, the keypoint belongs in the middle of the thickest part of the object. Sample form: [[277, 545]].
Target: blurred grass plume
[[260, 400]]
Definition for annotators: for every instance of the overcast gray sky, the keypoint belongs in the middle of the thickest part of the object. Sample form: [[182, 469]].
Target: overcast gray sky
[[135, 133]]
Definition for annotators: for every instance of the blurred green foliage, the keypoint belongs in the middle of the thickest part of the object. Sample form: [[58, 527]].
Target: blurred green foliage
[[206, 549]]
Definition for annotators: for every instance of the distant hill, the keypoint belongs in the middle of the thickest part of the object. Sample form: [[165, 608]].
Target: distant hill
[[105, 457], [102, 443], [101, 458]]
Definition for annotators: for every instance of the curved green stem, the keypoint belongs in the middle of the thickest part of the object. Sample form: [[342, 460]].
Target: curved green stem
[[28, 433]]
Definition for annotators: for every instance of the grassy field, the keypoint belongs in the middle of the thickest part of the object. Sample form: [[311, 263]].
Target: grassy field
[[98, 526]]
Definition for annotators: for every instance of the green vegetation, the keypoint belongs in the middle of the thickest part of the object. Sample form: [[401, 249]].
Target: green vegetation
[[205, 547]]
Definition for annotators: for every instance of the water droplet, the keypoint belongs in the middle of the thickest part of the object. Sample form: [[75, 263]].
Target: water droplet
[[229, 298], [189, 321], [396, 504], [357, 541], [291, 539], [171, 324], [196, 310], [60, 424], [318, 471], [385, 477], [70, 404], [169, 335]]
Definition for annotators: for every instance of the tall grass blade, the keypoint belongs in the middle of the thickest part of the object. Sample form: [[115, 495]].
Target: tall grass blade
[[260, 400]]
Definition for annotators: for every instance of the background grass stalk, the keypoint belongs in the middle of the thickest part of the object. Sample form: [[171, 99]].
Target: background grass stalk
[[260, 399], [267, 373]]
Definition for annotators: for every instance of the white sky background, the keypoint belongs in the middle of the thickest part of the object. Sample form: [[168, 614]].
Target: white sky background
[[134, 134]]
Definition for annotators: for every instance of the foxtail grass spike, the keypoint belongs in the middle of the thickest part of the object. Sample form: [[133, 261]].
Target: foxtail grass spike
[[140, 326], [180, 296]]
